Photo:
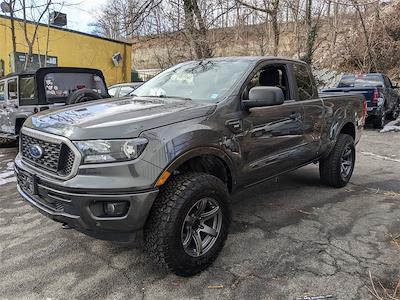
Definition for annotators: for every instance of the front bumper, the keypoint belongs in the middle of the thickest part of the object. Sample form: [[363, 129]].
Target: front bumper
[[75, 208]]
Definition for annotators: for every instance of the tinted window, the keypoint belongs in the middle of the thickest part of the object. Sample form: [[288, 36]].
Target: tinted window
[[271, 75], [12, 89], [59, 86], [125, 90], [207, 80], [304, 82], [2, 92], [112, 92], [27, 88], [363, 80]]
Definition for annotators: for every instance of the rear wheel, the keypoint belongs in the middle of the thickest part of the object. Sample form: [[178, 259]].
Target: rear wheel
[[188, 223], [337, 169], [396, 111], [379, 120]]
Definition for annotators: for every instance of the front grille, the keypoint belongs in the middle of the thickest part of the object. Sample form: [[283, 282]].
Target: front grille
[[57, 158]]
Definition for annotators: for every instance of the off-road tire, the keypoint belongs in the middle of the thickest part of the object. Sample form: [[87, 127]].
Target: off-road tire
[[162, 232], [330, 167], [82, 95]]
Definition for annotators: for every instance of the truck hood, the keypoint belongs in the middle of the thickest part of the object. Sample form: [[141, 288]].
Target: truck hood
[[117, 118]]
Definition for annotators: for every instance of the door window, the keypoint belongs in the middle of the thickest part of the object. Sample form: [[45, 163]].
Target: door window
[[304, 81], [271, 75], [112, 92], [2, 91], [12, 89], [125, 90]]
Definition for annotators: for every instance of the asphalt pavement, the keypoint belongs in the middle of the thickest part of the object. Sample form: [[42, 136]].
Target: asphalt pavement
[[290, 238]]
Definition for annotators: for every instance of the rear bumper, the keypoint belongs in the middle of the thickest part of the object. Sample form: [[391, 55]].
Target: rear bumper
[[8, 136], [77, 209], [374, 111]]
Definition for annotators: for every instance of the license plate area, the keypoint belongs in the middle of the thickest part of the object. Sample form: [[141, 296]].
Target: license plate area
[[27, 182]]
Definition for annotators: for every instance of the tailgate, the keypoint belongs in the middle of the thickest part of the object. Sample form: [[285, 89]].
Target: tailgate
[[367, 92]]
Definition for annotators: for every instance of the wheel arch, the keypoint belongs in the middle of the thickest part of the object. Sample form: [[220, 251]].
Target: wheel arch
[[348, 128], [208, 160]]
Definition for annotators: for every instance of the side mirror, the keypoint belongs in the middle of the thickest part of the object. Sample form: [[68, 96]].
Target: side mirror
[[260, 96]]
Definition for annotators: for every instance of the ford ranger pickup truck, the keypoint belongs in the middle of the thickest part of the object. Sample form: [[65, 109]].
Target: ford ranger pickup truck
[[167, 159], [383, 99]]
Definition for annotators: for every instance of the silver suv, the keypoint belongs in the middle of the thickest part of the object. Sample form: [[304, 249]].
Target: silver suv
[[24, 94]]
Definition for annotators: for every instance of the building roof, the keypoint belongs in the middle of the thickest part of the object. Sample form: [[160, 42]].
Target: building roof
[[71, 30]]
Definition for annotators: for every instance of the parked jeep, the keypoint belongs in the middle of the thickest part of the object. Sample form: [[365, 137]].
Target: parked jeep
[[167, 159], [24, 94], [382, 96]]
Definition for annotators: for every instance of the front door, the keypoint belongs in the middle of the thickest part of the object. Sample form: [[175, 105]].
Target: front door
[[272, 135], [9, 106], [3, 111]]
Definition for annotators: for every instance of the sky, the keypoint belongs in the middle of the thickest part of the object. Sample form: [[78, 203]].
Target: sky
[[80, 13]]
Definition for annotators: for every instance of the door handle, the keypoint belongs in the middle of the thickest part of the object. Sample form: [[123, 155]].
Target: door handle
[[234, 125]]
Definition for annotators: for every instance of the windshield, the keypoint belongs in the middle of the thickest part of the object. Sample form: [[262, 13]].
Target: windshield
[[361, 81], [199, 80]]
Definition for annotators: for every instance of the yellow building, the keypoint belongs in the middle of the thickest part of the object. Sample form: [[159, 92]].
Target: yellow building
[[66, 48]]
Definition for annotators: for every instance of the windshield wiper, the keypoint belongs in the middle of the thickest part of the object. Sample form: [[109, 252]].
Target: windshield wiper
[[169, 97]]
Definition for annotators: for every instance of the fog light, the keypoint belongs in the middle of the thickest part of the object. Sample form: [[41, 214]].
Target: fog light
[[116, 209]]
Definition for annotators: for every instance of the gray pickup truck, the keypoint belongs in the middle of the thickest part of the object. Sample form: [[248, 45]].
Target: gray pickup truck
[[167, 159]]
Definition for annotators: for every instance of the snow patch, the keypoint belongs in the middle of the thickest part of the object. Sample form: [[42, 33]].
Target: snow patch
[[7, 175], [392, 126]]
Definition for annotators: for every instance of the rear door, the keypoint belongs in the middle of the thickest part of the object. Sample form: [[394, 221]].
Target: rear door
[[313, 106]]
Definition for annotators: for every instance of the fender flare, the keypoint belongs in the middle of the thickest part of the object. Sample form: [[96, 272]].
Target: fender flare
[[201, 151]]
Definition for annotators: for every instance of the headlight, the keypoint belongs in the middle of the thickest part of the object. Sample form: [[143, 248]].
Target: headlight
[[101, 151]]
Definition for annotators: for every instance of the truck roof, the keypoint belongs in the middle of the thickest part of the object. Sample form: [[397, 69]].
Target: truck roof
[[255, 58], [53, 70]]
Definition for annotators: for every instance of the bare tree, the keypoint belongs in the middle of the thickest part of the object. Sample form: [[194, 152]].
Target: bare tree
[[272, 9], [196, 29], [30, 39], [9, 8]]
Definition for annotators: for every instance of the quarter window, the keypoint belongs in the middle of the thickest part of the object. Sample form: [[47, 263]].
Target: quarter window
[[12, 89], [304, 82], [27, 88]]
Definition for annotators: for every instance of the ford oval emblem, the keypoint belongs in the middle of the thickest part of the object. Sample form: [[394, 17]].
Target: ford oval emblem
[[36, 151]]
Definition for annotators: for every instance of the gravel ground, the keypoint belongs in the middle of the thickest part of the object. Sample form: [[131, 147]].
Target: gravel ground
[[289, 239]]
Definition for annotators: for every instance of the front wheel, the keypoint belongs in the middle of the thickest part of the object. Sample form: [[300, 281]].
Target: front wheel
[[188, 224], [337, 169]]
